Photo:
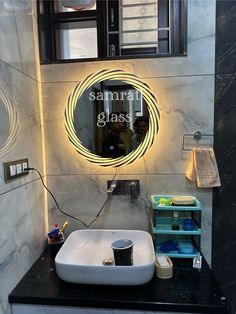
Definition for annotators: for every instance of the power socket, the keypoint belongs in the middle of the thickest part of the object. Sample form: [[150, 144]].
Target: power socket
[[15, 169], [24, 166]]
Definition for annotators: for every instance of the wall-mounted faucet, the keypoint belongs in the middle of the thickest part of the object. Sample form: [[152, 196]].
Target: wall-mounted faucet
[[134, 190], [124, 187]]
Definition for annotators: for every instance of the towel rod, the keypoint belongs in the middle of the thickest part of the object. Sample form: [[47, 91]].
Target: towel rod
[[197, 136]]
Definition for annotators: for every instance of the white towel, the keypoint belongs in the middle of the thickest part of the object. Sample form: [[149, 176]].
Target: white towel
[[203, 168]]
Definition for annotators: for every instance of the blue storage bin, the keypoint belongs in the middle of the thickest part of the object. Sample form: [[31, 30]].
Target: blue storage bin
[[185, 247]]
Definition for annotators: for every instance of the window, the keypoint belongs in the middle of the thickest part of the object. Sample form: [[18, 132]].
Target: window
[[69, 37], [112, 29]]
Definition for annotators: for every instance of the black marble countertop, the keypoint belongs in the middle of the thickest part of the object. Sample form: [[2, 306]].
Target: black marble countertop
[[189, 290]]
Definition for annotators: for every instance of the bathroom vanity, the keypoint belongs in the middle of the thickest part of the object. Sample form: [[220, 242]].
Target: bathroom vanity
[[188, 291]]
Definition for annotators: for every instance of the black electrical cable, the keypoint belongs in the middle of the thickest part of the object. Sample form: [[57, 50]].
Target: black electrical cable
[[86, 225]]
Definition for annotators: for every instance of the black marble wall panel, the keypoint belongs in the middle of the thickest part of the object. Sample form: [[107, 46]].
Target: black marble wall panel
[[226, 36], [224, 200], [225, 122]]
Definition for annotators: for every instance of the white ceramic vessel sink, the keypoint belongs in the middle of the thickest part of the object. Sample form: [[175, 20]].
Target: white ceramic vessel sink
[[80, 259]]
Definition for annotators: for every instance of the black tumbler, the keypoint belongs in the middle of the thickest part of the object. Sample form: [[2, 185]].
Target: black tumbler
[[123, 252], [54, 248]]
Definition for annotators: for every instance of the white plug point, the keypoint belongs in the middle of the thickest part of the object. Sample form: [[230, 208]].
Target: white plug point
[[112, 187], [24, 165], [197, 262]]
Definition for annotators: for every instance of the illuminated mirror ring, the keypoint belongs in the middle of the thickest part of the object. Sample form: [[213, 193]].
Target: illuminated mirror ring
[[143, 88], [13, 126]]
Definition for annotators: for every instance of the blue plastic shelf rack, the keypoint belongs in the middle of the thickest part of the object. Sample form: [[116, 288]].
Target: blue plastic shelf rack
[[162, 226]]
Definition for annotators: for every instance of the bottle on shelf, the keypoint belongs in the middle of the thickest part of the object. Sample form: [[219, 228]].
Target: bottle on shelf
[[175, 223]]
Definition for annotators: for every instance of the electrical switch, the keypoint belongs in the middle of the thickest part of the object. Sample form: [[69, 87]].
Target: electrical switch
[[18, 169], [12, 170]]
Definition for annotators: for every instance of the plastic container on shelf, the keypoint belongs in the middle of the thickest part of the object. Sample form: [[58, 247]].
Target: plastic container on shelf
[[196, 206], [164, 267]]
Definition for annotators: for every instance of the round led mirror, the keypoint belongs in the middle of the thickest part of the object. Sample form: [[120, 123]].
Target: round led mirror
[[8, 125], [112, 117]]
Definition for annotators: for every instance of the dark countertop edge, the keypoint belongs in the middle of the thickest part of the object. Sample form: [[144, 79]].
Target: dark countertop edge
[[16, 298], [120, 305]]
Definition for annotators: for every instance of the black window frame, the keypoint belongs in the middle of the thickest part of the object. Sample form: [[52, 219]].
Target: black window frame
[[47, 22]]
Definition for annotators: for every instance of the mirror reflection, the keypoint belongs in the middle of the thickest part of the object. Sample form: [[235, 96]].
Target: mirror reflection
[[111, 118], [4, 125]]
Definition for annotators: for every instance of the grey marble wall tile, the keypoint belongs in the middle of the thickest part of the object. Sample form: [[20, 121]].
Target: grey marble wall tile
[[18, 35], [26, 35], [9, 51], [22, 235], [5, 77], [21, 6], [23, 92], [185, 104]]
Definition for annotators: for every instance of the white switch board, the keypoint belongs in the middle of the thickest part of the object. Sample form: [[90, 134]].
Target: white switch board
[[15, 169]]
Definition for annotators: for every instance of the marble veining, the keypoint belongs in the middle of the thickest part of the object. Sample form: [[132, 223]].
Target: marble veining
[[225, 116], [28, 119], [224, 204], [225, 43]]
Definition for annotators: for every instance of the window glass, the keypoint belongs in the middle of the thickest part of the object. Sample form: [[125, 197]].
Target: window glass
[[163, 42], [139, 37], [163, 13], [138, 24], [58, 7], [127, 2], [140, 10], [76, 40]]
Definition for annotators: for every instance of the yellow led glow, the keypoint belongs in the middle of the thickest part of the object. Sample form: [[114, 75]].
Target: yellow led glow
[[125, 77], [13, 128]]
